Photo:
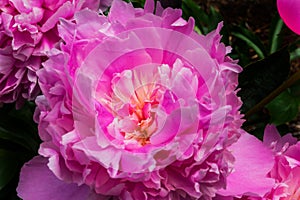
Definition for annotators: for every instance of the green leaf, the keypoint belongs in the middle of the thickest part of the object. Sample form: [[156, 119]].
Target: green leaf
[[259, 79], [17, 126], [295, 54], [136, 3], [191, 9], [276, 38], [239, 53], [205, 22], [19, 138], [215, 18], [250, 39], [8, 166], [295, 89], [283, 108]]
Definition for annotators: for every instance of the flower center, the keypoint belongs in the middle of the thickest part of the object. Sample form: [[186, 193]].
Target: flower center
[[150, 104], [142, 104], [133, 102]]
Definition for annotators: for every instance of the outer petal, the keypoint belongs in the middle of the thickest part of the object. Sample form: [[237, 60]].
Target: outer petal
[[253, 162], [273, 139], [121, 12], [38, 182], [289, 11]]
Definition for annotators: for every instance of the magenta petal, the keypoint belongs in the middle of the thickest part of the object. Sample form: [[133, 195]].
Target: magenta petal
[[121, 12], [289, 11], [253, 160], [272, 137], [218, 197], [37, 182]]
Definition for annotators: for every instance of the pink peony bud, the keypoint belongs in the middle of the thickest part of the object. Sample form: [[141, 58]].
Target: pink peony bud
[[289, 11]]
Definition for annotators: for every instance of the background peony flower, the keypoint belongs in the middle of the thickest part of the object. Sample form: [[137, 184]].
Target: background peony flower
[[289, 11], [253, 161], [135, 106], [286, 169], [27, 32]]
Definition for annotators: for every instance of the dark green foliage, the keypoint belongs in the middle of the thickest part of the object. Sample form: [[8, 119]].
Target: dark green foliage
[[171, 3], [19, 142], [250, 39], [284, 108], [260, 78], [205, 22]]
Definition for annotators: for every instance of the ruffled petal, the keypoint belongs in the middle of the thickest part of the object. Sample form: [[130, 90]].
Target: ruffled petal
[[273, 139]]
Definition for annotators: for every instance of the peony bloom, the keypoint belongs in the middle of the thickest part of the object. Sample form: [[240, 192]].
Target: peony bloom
[[135, 105], [253, 162], [27, 32], [286, 169], [289, 11]]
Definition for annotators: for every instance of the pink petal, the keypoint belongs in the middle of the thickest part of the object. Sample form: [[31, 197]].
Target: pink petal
[[272, 137], [38, 182], [149, 6], [65, 11], [271, 134], [253, 160], [121, 12]]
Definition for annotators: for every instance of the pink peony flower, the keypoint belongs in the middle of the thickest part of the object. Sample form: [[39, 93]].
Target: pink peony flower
[[27, 32], [136, 105], [286, 169], [289, 11], [253, 161]]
